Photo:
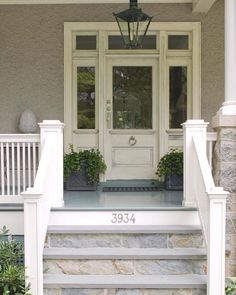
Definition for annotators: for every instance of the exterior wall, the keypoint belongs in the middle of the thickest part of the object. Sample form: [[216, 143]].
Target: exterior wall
[[225, 176], [31, 55]]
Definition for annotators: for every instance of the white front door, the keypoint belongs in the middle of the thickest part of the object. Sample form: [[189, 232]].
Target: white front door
[[131, 117]]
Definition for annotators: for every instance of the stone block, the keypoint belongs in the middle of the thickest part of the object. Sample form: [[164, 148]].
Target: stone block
[[227, 134], [52, 292], [83, 292], [163, 267], [145, 241], [185, 241]]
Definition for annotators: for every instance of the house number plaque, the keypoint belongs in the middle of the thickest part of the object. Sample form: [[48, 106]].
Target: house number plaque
[[124, 218]]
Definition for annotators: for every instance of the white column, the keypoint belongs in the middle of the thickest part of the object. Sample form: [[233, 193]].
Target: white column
[[197, 128], [54, 130], [229, 105]]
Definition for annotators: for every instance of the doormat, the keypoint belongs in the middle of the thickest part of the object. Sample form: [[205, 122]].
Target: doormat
[[115, 189]]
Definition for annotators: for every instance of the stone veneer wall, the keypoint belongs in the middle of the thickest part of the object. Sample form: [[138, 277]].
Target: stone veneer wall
[[225, 176], [32, 62]]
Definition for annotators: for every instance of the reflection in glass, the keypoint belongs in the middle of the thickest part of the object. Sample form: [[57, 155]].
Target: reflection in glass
[[116, 42], [86, 42], [178, 96], [132, 97], [86, 97], [178, 42]]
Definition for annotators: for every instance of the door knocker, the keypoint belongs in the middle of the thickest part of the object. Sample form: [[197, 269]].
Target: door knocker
[[132, 141]]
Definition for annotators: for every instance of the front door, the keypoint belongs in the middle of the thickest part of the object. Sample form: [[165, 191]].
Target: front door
[[131, 117]]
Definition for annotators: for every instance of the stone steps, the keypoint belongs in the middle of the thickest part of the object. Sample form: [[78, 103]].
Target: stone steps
[[124, 281], [125, 260]]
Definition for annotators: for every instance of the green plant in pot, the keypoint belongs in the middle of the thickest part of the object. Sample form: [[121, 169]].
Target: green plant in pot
[[170, 167], [82, 169]]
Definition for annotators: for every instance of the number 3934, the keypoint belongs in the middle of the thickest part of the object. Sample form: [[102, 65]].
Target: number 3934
[[124, 218]]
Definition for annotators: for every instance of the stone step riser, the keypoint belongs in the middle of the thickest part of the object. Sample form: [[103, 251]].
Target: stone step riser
[[125, 267], [125, 292], [114, 240]]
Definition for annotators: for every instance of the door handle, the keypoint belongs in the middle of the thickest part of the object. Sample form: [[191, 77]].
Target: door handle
[[132, 141]]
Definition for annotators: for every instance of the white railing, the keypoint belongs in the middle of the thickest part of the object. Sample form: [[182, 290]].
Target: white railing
[[38, 200], [211, 139], [19, 155], [200, 191]]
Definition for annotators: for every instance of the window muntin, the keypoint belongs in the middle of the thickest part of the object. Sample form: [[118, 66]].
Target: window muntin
[[86, 97], [177, 96], [132, 97]]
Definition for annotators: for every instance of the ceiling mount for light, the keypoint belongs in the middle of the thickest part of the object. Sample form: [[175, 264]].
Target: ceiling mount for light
[[133, 25]]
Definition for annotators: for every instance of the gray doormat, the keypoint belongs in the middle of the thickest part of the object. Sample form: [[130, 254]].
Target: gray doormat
[[115, 189]]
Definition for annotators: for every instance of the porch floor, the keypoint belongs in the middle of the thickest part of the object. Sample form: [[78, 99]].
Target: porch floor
[[140, 200]]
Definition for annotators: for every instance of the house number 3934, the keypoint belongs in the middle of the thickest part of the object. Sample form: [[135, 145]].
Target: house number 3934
[[123, 218]]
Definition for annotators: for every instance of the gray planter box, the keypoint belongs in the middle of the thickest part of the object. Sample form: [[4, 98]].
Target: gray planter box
[[174, 182], [78, 181]]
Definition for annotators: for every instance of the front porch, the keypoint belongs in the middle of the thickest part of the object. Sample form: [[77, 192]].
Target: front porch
[[201, 205]]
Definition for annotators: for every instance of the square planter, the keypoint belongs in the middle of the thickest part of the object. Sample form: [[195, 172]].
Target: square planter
[[78, 181], [174, 182]]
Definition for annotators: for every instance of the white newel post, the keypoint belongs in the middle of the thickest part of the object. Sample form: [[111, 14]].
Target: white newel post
[[229, 105], [33, 249], [216, 242], [54, 129], [196, 128]]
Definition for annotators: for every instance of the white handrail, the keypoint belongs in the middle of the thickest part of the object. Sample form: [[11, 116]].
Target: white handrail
[[47, 192], [200, 191], [19, 155]]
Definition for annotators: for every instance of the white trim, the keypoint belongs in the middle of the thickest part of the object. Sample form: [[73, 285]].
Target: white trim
[[190, 57], [14, 2], [202, 5]]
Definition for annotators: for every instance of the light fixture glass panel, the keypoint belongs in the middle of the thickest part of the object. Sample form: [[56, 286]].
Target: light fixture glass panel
[[178, 96], [86, 97], [132, 97]]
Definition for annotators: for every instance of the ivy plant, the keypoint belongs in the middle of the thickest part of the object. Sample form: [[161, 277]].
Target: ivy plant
[[12, 271], [92, 160], [170, 163], [230, 286]]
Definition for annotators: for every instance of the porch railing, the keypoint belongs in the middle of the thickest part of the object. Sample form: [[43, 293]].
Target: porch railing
[[38, 200], [19, 156], [200, 191]]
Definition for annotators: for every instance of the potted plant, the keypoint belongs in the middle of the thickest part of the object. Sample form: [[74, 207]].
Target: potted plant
[[171, 167], [82, 169]]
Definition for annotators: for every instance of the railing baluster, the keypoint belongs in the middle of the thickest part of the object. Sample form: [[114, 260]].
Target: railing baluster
[[13, 167], [18, 168], [8, 168], [29, 164], [23, 165], [34, 160], [2, 170]]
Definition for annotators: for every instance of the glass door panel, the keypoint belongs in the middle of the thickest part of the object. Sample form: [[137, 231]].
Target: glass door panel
[[132, 97]]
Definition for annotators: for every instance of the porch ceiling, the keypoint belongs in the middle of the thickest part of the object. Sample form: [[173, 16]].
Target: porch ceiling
[[198, 5]]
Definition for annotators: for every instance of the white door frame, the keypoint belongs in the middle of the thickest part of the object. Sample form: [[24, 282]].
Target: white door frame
[[166, 137]]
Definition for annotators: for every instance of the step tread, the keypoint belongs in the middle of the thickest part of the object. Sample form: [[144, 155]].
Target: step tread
[[124, 253], [75, 229], [124, 281]]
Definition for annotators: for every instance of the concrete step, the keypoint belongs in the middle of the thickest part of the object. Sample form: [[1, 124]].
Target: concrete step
[[80, 229], [124, 253], [62, 281]]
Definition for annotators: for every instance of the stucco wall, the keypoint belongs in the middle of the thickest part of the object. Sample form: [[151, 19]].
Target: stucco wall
[[31, 55]]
